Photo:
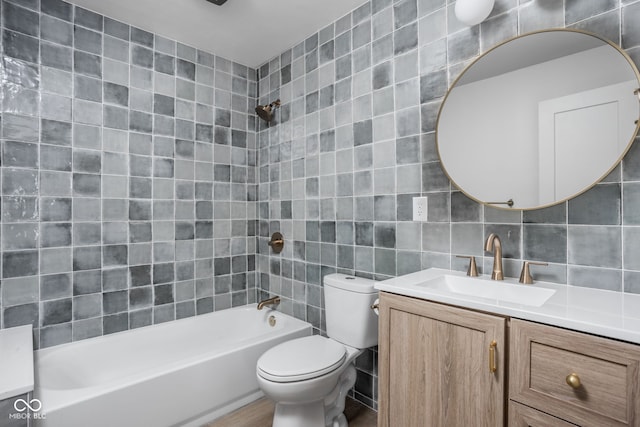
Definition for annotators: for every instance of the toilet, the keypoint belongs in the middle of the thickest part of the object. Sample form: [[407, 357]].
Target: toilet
[[309, 377]]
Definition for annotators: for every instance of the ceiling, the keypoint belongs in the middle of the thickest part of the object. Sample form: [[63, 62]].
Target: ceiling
[[249, 32]]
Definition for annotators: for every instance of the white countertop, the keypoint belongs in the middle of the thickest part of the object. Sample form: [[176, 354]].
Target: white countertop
[[606, 313], [16, 361]]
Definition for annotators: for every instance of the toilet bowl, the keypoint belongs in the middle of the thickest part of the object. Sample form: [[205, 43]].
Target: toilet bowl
[[309, 377]]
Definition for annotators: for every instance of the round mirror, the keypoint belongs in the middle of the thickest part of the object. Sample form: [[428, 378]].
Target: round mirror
[[539, 119]]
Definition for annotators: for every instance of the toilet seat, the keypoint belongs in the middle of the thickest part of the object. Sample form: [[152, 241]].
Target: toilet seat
[[301, 359]]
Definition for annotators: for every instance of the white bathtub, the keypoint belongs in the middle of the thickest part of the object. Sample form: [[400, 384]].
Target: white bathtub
[[181, 373]]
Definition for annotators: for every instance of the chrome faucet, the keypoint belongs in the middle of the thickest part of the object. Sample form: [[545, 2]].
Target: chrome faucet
[[494, 245], [269, 301]]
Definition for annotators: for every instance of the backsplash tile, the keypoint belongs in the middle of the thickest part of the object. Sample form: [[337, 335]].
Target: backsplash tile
[[391, 63], [109, 195]]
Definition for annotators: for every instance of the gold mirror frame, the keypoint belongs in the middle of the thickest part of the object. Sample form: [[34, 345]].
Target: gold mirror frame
[[509, 203]]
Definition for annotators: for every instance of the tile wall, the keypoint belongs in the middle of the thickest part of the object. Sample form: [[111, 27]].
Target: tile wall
[[128, 175], [354, 141]]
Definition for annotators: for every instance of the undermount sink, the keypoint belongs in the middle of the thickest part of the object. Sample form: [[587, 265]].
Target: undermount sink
[[482, 288]]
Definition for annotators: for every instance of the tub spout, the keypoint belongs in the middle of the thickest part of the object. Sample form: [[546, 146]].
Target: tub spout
[[269, 301]]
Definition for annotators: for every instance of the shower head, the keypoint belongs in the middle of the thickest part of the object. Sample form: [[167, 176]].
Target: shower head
[[217, 2], [265, 112]]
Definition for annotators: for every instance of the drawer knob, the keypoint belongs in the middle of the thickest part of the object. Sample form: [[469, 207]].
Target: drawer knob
[[573, 380]]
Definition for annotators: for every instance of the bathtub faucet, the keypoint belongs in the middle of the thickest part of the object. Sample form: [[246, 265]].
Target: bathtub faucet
[[269, 301]]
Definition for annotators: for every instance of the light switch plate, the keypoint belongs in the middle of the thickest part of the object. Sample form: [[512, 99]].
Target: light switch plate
[[420, 206]]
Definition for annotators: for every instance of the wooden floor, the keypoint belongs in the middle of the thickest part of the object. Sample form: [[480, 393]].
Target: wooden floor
[[260, 414]]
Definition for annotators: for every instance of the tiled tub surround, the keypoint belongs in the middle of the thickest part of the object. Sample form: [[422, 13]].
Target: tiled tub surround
[[354, 142], [128, 175]]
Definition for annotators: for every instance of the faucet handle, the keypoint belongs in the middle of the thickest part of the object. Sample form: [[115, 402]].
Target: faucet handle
[[472, 271], [525, 274]]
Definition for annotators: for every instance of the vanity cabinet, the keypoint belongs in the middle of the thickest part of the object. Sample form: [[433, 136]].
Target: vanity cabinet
[[439, 365], [580, 378], [447, 366]]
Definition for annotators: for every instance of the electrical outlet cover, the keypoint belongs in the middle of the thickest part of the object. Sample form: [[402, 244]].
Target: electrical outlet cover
[[420, 208]]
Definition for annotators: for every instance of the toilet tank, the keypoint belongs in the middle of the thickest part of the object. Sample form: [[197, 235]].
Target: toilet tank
[[347, 303]]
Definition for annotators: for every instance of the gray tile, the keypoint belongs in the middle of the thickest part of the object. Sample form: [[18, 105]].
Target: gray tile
[[52, 55], [86, 306], [55, 234], [86, 185], [599, 205], [55, 286], [115, 279], [537, 15], [405, 39], [18, 154], [20, 46], [631, 248], [404, 12], [498, 29], [385, 262], [606, 25], [433, 85], [385, 235], [115, 323], [116, 29], [88, 19], [437, 237], [87, 258], [55, 132], [87, 282], [552, 215], [19, 236], [25, 314], [19, 182], [58, 8], [55, 335], [116, 94], [545, 243], [88, 328], [463, 45], [576, 10], [88, 41], [595, 246], [20, 128], [20, 19], [142, 37], [87, 64], [463, 209], [17, 264], [55, 209], [630, 33], [598, 278], [55, 30]]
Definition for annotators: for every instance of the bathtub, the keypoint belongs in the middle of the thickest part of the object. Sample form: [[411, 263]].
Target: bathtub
[[182, 373]]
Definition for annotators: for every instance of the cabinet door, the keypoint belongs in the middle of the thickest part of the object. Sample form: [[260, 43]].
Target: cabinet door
[[523, 416], [439, 365]]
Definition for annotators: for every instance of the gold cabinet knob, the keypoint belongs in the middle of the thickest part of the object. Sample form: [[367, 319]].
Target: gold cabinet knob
[[573, 380]]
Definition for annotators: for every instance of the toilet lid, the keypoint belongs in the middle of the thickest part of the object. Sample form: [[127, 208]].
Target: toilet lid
[[301, 359]]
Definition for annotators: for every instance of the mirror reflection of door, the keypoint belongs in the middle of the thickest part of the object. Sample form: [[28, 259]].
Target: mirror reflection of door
[[539, 119], [578, 134]]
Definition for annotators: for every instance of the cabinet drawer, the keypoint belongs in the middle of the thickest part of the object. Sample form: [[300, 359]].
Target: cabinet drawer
[[523, 416], [604, 375]]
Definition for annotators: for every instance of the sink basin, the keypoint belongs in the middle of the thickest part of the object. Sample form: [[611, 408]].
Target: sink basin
[[495, 290]]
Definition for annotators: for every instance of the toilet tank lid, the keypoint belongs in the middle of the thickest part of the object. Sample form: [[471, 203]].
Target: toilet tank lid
[[350, 283]]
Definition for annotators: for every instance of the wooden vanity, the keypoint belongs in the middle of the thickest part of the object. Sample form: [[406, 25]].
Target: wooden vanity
[[443, 365]]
